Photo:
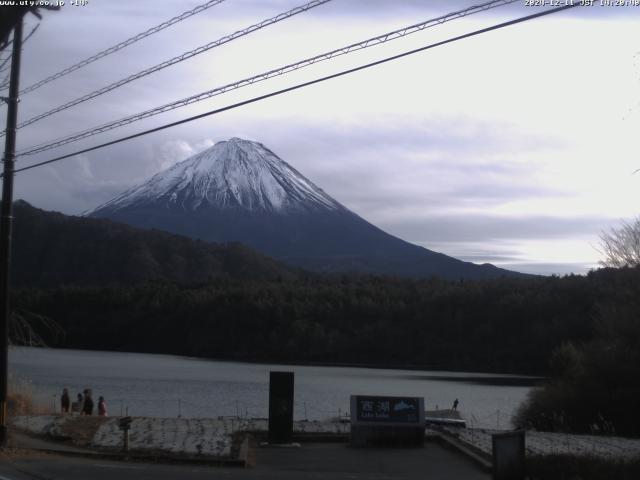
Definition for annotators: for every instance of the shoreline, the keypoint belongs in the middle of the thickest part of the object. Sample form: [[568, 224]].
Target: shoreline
[[462, 374]]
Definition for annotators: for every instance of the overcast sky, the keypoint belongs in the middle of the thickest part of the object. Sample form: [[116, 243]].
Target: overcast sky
[[516, 147]]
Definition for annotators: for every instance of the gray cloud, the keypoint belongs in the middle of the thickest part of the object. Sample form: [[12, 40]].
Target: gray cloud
[[472, 253], [478, 227], [487, 258], [550, 268], [425, 164], [73, 190], [433, 163], [411, 174], [440, 7]]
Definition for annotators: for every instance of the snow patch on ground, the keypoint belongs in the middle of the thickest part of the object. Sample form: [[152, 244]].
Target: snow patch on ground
[[191, 436], [207, 437], [41, 424], [547, 443], [213, 437]]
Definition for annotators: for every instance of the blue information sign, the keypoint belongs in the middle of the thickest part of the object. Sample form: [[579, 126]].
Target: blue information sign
[[396, 410]]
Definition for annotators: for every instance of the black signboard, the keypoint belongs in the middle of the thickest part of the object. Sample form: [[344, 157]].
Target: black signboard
[[383, 410], [280, 407]]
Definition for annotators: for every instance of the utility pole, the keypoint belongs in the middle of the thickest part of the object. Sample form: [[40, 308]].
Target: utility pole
[[6, 219]]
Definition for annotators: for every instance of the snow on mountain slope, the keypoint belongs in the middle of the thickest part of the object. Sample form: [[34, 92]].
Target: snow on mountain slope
[[240, 191], [232, 174]]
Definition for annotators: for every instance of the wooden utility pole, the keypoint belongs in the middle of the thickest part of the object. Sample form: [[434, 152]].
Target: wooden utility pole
[[6, 218]]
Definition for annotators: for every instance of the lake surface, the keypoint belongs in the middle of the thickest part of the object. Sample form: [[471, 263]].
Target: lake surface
[[166, 385]]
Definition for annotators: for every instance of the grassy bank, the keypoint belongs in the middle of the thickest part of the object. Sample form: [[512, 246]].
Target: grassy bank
[[21, 399]]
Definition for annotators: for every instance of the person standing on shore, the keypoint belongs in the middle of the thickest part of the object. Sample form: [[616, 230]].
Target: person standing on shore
[[455, 404], [87, 408], [65, 401], [77, 406], [102, 407]]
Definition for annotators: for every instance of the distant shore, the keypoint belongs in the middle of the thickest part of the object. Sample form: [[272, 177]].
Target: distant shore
[[522, 379]]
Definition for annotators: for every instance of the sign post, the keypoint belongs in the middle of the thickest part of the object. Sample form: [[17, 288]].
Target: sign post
[[6, 220], [508, 455], [280, 407], [125, 426]]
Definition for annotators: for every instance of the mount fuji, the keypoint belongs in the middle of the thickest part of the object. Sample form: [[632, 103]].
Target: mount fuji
[[240, 191]]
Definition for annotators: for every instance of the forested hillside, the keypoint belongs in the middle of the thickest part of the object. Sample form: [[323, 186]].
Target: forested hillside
[[51, 249], [503, 325]]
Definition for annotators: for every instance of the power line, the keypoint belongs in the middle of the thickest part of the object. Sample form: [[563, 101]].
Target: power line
[[33, 30], [178, 59], [5, 65], [265, 76], [5, 82], [6, 45], [121, 45], [302, 85]]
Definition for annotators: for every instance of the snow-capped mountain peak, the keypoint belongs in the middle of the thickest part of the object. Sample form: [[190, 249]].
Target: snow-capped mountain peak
[[233, 174], [240, 191]]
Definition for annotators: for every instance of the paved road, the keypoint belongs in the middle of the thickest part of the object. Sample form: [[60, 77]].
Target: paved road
[[311, 461]]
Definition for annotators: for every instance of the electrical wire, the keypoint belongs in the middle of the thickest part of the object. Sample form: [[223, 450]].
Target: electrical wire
[[178, 59], [305, 84], [123, 44], [5, 83], [3, 65], [4, 62], [33, 30], [4, 46], [264, 76]]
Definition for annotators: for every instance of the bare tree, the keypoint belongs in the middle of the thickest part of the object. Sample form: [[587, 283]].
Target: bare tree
[[621, 246], [29, 329]]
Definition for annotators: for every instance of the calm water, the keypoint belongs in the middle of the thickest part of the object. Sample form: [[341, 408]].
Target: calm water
[[166, 385]]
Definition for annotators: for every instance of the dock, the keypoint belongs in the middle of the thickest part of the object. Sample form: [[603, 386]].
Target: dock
[[444, 417]]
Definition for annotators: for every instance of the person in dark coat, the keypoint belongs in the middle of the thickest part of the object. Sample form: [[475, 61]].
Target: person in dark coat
[[87, 408], [77, 406], [65, 401]]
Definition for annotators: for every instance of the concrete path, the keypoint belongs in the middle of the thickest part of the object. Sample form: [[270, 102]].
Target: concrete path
[[311, 461], [338, 461]]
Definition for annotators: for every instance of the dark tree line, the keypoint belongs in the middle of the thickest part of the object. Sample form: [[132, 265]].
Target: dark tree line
[[503, 325]]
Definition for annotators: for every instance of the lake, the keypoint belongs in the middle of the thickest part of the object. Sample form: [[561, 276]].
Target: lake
[[168, 386]]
